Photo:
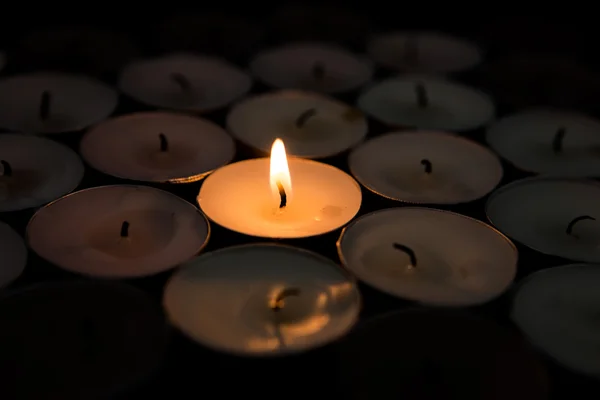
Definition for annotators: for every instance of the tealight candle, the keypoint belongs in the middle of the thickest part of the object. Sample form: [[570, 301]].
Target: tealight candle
[[427, 102], [280, 198], [13, 254], [157, 147], [438, 354], [262, 300], [557, 309], [312, 66], [120, 231], [77, 340], [551, 215], [423, 51], [430, 256], [312, 125], [53, 102], [184, 82], [35, 171], [549, 141], [425, 167]]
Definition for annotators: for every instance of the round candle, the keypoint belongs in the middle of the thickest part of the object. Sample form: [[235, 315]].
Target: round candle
[[312, 66], [120, 231], [427, 102], [184, 82], [53, 102], [78, 340], [437, 354], [13, 254], [551, 215], [280, 198], [430, 256], [557, 309], [157, 147], [423, 51], [262, 300], [35, 171], [425, 167], [312, 125], [549, 141]]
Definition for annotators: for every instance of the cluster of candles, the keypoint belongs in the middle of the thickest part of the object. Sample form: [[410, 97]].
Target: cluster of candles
[[267, 299]]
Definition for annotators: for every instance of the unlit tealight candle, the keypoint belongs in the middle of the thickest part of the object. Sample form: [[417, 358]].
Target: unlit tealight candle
[[262, 300], [430, 256], [426, 167], [120, 231], [13, 255], [157, 147]]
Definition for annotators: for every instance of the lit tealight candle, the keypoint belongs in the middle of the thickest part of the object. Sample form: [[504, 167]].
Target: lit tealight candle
[[184, 82], [557, 309], [35, 171], [426, 167], [312, 125], [430, 256], [549, 141], [262, 300], [78, 340], [312, 66], [551, 215], [280, 198], [157, 147], [120, 231], [428, 52], [13, 254], [53, 102], [427, 102]]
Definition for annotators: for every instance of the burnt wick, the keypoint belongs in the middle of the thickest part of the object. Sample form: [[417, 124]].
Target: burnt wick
[[305, 116], [125, 229], [557, 142], [181, 81], [164, 144], [572, 224], [408, 251], [318, 71], [279, 301], [428, 166], [45, 103], [6, 168], [282, 195], [421, 95]]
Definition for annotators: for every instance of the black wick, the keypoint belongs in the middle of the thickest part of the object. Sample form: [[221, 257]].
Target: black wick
[[88, 334], [45, 102], [282, 195], [557, 142], [576, 220], [318, 71], [422, 97], [305, 116], [183, 82], [164, 144], [279, 300], [125, 229], [408, 251], [6, 168], [411, 50], [427, 164]]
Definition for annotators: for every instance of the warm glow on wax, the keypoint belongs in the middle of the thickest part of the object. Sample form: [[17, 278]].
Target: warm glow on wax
[[280, 180]]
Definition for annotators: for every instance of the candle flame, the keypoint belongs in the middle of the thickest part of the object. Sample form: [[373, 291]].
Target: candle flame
[[280, 172]]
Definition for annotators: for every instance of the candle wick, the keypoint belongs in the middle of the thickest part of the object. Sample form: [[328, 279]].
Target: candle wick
[[282, 195], [572, 224], [279, 301], [408, 251], [305, 116], [164, 144], [318, 71], [422, 96], [181, 81], [6, 168], [428, 166], [45, 103], [125, 229], [557, 142]]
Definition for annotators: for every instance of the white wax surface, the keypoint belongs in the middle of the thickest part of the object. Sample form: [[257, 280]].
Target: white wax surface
[[129, 147], [13, 255], [213, 82], [557, 309], [537, 212], [291, 67], [239, 197], [452, 106], [460, 261], [334, 128], [423, 51], [77, 102], [526, 140], [391, 166], [223, 300], [82, 232], [42, 171]]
